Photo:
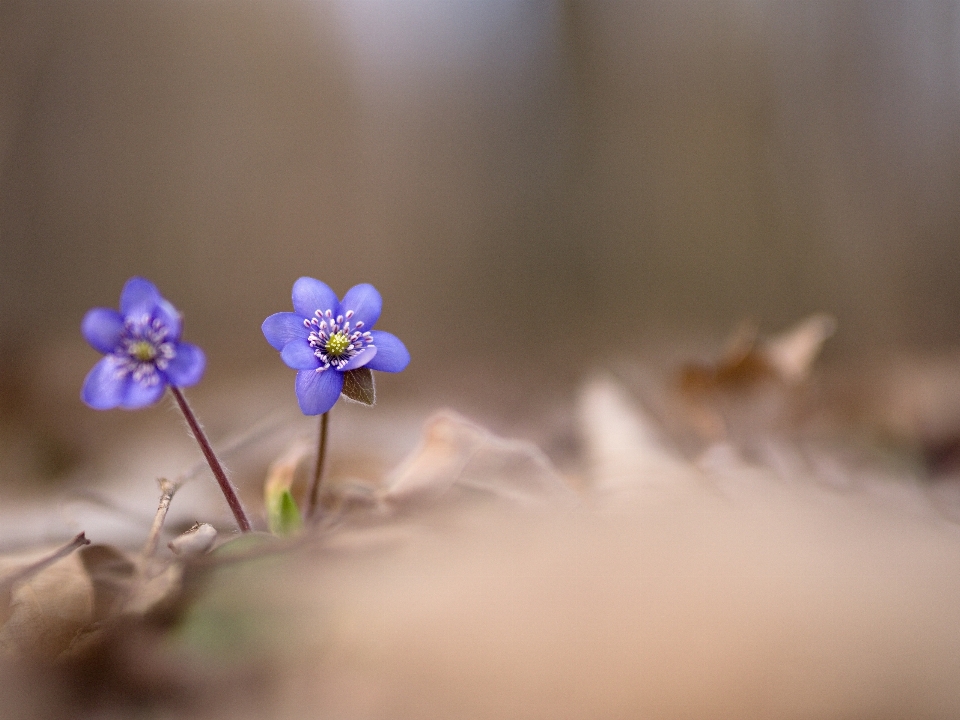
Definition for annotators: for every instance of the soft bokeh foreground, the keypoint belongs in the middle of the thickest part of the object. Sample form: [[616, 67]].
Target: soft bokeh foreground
[[477, 580]]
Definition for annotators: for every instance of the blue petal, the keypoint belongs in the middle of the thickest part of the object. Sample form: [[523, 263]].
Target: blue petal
[[392, 354], [281, 328], [166, 313], [366, 303], [298, 355], [360, 359], [187, 366], [101, 327], [138, 395], [318, 391], [104, 388], [310, 295], [139, 297]]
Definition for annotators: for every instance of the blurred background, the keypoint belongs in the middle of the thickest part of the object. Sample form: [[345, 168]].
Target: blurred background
[[533, 185]]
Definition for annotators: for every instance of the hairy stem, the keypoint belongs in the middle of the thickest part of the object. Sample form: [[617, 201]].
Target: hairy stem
[[318, 468], [229, 491]]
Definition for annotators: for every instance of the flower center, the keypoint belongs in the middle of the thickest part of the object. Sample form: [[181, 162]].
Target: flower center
[[334, 339], [338, 344], [144, 350]]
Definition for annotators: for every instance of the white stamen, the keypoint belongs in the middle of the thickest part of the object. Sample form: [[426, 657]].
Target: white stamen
[[327, 329], [139, 362]]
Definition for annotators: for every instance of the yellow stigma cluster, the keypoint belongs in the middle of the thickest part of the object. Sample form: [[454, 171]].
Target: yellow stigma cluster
[[334, 342], [337, 344], [143, 351]]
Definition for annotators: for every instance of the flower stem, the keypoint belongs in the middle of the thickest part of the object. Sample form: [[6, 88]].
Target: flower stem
[[318, 468], [229, 492]]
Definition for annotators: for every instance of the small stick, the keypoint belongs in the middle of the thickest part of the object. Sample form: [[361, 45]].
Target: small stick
[[167, 489], [32, 569], [229, 491], [318, 468]]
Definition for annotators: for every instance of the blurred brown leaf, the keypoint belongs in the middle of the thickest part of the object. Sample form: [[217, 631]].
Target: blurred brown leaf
[[748, 361]]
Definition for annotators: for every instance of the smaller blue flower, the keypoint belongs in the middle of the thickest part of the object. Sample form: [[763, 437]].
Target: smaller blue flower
[[142, 348], [325, 337]]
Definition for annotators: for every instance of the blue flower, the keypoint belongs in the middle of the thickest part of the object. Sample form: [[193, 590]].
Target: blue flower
[[142, 348], [325, 337]]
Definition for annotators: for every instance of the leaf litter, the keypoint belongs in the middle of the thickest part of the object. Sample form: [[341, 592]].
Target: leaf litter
[[476, 579]]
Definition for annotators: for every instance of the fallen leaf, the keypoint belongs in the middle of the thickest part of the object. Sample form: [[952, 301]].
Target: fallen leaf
[[47, 610], [792, 353], [626, 456], [748, 361], [455, 454], [113, 576]]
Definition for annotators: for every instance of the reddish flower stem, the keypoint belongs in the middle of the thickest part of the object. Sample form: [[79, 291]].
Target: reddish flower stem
[[229, 491], [318, 468]]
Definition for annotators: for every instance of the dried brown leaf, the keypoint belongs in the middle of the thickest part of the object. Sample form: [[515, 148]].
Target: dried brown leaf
[[626, 457], [113, 576], [48, 609], [792, 352], [747, 361], [456, 454]]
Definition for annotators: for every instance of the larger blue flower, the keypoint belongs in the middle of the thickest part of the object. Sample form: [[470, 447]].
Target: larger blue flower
[[142, 348], [325, 337]]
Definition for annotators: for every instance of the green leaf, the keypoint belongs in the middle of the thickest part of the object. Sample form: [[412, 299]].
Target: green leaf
[[283, 515], [358, 386]]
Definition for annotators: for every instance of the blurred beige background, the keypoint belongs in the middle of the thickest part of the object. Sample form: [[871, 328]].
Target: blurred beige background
[[532, 185]]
